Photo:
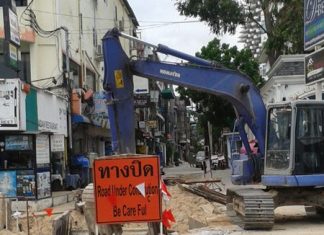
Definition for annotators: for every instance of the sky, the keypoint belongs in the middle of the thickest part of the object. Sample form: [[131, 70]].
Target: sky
[[154, 17]]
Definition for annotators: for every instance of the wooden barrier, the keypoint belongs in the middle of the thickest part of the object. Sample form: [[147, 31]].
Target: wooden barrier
[[61, 224]]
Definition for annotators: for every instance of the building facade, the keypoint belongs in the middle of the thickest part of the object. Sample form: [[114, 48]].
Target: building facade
[[54, 101], [251, 35], [286, 80]]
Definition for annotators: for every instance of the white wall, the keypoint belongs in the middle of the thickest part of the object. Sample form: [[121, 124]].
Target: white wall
[[46, 53], [279, 87]]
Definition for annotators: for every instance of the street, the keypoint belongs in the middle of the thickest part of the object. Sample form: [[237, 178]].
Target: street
[[288, 220], [193, 214]]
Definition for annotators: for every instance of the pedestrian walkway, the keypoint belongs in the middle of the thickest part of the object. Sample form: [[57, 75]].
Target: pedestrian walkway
[[184, 170]]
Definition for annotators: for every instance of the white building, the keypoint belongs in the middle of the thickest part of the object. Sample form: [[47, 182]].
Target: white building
[[40, 137], [285, 80], [252, 35]]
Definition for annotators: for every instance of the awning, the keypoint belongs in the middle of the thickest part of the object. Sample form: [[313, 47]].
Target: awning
[[167, 93], [100, 121], [77, 118]]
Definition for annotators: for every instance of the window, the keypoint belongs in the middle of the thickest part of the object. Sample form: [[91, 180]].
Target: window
[[20, 3], [116, 15], [18, 143], [17, 160], [24, 73], [25, 66], [75, 69], [81, 23], [309, 140], [278, 147], [91, 80], [18, 152], [94, 37]]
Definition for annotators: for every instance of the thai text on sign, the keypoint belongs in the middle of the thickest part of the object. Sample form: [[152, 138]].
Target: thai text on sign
[[127, 189]]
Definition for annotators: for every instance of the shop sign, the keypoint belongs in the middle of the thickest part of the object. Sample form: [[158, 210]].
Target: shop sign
[[43, 185], [51, 119], [141, 101], [141, 85], [314, 66], [13, 56], [141, 124], [18, 142], [14, 28], [9, 104], [62, 121], [313, 23], [99, 116], [8, 183], [127, 189], [57, 143], [42, 149], [151, 124]]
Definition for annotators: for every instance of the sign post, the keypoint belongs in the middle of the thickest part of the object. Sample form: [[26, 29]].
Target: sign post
[[314, 70], [12, 36], [313, 35], [127, 189]]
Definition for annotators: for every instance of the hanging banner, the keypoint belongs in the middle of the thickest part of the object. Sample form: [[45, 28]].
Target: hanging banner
[[9, 104], [8, 185], [127, 189], [57, 143], [313, 23], [42, 149], [314, 66], [43, 185]]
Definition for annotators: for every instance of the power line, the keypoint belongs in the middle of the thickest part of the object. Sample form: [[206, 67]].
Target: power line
[[99, 18]]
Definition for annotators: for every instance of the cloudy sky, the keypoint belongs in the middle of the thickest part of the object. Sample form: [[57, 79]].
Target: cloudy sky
[[159, 19]]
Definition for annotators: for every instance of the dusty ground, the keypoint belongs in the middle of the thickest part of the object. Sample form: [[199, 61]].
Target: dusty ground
[[191, 209], [41, 224]]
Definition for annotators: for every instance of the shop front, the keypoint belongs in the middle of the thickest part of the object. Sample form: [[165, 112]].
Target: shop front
[[28, 151], [91, 136]]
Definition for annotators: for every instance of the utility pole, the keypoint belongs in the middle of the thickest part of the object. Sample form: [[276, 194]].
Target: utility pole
[[68, 84]]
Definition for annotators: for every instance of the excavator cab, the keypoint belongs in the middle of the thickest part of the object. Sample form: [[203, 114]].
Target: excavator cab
[[295, 140]]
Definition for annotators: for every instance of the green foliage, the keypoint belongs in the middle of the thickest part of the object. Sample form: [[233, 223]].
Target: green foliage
[[220, 113], [283, 20], [287, 35], [220, 15]]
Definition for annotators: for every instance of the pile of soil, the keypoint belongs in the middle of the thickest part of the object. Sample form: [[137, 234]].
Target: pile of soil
[[190, 211]]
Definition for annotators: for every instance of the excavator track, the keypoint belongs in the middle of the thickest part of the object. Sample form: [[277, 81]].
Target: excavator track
[[251, 208]]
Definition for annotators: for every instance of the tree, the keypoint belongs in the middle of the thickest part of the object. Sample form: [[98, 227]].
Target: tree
[[220, 112], [283, 20]]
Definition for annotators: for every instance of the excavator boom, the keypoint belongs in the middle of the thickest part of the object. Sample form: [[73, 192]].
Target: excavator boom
[[198, 74]]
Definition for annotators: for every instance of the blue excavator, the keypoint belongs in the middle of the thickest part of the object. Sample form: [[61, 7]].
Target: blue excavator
[[290, 135]]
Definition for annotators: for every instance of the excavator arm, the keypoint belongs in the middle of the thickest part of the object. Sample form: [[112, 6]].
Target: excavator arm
[[198, 74]]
